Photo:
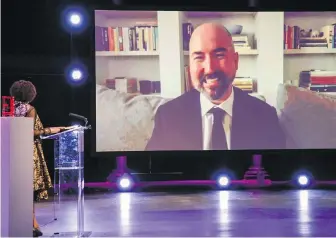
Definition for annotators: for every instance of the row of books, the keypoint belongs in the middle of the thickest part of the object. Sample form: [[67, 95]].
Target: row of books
[[318, 80], [297, 38], [137, 38]]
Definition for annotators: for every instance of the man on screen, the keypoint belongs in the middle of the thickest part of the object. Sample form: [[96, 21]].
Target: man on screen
[[215, 115]]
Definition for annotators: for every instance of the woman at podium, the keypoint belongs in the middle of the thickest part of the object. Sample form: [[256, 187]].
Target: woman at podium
[[24, 92]]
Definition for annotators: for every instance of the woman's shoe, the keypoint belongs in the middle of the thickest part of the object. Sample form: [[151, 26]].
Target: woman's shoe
[[37, 232]]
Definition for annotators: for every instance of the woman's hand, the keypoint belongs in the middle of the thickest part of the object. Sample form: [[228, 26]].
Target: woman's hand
[[54, 130]]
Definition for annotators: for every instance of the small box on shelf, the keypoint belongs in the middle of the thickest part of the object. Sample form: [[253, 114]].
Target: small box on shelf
[[133, 86]]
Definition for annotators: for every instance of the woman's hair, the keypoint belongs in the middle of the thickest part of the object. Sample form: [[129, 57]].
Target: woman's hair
[[23, 91]]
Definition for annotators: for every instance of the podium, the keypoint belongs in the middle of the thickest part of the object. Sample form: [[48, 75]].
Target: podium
[[16, 177], [69, 169]]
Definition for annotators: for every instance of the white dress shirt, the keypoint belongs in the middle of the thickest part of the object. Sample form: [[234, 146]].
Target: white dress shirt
[[208, 120]]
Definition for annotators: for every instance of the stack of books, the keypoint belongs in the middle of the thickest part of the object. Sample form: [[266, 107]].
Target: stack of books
[[246, 84], [318, 80], [241, 42]]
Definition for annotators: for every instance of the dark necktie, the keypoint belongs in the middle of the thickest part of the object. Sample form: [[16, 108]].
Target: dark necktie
[[218, 138]]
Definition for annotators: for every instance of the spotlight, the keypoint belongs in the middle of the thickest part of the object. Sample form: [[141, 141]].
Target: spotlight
[[125, 183], [302, 179], [76, 74], [74, 19], [223, 181]]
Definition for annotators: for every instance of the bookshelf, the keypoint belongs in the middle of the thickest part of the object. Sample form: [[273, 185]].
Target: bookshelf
[[267, 61], [297, 60]]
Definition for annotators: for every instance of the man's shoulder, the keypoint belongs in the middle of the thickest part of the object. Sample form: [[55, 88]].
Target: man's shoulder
[[180, 102], [253, 102]]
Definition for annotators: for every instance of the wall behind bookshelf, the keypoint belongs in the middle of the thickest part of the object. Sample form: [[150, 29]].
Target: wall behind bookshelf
[[297, 60]]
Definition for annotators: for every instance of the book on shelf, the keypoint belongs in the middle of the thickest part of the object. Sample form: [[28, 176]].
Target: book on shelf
[[187, 79], [116, 39], [318, 80], [247, 84], [187, 30], [297, 38]]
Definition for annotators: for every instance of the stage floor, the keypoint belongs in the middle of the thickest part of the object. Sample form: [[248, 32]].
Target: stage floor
[[210, 213]]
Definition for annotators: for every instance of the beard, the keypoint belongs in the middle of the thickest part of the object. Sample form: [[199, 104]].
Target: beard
[[222, 80]]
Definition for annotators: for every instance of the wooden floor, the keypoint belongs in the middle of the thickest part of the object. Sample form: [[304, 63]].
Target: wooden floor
[[210, 213]]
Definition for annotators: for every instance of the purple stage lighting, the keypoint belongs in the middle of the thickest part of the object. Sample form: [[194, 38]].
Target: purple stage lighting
[[125, 183], [74, 19], [76, 74], [303, 180], [223, 181]]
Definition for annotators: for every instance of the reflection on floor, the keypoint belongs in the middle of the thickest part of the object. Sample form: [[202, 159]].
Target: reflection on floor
[[215, 213]]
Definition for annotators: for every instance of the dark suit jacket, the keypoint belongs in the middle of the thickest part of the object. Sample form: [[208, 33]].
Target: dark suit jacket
[[178, 124]]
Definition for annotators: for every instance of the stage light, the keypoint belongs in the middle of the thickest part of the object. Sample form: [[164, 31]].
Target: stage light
[[76, 74], [303, 180], [223, 181], [125, 183], [74, 19]]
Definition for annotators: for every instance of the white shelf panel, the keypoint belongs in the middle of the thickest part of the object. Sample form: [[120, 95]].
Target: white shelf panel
[[202, 14], [126, 53], [310, 14], [126, 14], [310, 51], [240, 52]]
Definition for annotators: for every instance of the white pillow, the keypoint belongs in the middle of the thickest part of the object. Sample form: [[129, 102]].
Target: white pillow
[[308, 118], [124, 122]]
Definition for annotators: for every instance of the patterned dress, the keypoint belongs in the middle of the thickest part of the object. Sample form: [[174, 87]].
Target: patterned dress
[[42, 180]]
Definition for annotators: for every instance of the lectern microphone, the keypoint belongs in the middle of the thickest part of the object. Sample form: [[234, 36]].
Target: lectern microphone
[[78, 116]]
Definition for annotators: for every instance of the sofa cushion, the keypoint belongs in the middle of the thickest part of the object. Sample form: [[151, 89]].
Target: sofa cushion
[[308, 118], [124, 122]]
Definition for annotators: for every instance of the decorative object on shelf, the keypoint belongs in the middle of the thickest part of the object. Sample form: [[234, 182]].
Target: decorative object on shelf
[[145, 86], [316, 33], [110, 83], [156, 87], [122, 84], [234, 29]]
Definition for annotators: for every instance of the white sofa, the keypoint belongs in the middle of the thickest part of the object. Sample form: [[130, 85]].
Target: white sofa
[[124, 122]]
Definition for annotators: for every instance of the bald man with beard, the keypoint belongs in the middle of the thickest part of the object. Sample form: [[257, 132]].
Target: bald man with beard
[[215, 115]]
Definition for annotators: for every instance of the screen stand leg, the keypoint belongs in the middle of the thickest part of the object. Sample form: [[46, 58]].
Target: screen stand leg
[[256, 175]]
